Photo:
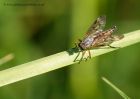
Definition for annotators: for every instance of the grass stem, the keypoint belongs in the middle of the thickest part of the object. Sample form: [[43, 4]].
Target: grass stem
[[59, 60]]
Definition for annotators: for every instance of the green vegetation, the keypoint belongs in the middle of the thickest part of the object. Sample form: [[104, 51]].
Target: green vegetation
[[115, 88]]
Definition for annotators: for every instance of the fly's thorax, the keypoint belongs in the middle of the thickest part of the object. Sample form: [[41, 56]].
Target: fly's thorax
[[86, 42]]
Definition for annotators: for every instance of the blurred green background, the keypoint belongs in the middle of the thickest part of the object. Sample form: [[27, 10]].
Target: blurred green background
[[50, 26]]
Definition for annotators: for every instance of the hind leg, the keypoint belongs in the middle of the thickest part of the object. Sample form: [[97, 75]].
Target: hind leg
[[112, 46]]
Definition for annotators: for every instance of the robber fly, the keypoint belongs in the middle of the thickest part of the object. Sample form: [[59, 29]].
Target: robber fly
[[96, 37]]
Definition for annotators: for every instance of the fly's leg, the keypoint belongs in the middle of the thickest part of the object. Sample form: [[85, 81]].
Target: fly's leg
[[76, 57], [112, 46], [83, 53], [82, 57], [88, 56], [79, 40], [79, 50], [76, 45]]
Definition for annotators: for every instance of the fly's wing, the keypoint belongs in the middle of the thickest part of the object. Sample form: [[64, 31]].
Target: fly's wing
[[111, 36], [97, 26], [117, 37]]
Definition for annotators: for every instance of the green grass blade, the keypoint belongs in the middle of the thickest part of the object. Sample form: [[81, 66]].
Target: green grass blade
[[115, 88], [59, 60]]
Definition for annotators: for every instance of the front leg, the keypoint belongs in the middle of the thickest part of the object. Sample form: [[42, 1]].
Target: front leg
[[76, 57]]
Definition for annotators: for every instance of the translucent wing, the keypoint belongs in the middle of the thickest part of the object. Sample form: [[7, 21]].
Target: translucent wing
[[97, 26], [117, 37]]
